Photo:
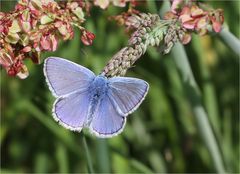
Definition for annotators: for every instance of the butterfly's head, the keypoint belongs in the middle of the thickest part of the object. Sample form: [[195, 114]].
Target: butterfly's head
[[99, 84]]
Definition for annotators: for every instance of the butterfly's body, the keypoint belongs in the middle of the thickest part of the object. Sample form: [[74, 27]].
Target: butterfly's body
[[99, 86], [98, 90], [96, 102]]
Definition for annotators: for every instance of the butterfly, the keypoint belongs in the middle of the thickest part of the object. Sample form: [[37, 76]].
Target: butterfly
[[85, 100]]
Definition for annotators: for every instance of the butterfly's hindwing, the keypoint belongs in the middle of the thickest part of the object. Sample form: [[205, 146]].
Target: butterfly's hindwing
[[71, 111], [106, 121]]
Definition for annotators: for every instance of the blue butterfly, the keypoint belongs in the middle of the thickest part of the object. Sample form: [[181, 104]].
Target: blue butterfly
[[86, 100]]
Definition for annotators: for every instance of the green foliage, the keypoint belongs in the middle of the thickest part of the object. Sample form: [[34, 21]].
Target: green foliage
[[161, 136]]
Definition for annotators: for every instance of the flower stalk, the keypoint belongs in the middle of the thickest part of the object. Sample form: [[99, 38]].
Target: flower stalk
[[149, 31], [184, 18]]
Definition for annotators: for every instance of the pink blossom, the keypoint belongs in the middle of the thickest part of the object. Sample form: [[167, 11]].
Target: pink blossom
[[45, 43], [87, 37]]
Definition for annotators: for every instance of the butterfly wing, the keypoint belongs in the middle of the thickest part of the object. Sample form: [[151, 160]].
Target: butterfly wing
[[64, 77], [127, 93], [72, 111], [106, 121]]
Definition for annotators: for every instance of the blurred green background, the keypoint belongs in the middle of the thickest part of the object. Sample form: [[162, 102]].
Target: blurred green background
[[161, 136]]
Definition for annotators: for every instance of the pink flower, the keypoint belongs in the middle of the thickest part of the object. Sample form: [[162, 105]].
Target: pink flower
[[45, 43], [13, 66], [217, 19], [19, 69], [87, 37], [64, 29], [54, 42], [194, 18], [37, 26], [5, 23], [48, 43], [5, 59]]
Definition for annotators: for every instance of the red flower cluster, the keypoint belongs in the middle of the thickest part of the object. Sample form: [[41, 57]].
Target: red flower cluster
[[194, 18], [36, 26]]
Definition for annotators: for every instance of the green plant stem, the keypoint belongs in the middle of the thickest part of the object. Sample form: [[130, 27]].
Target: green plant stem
[[209, 93], [89, 160], [139, 166], [104, 165], [230, 40], [194, 97], [193, 94]]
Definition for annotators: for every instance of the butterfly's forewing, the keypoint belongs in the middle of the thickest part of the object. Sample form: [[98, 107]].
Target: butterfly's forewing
[[71, 111], [64, 77], [127, 93], [106, 121]]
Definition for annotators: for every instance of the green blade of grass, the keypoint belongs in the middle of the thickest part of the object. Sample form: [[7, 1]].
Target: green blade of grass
[[157, 162], [41, 163], [140, 167], [134, 163], [62, 158]]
